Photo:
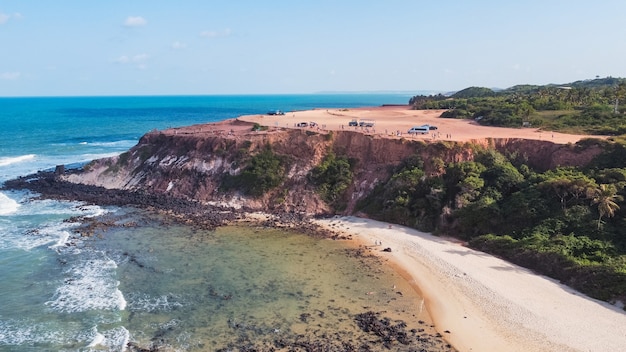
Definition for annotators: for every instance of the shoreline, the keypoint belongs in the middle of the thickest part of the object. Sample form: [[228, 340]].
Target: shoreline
[[477, 302], [482, 303], [485, 303]]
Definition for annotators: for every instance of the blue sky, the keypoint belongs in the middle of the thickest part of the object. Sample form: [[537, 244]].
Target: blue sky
[[142, 47]]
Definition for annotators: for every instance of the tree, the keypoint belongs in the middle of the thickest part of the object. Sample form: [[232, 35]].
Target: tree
[[605, 197], [568, 185], [620, 91], [463, 182], [332, 177]]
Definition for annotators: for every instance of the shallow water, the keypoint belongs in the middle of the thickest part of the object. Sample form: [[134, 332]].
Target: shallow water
[[196, 290], [141, 279]]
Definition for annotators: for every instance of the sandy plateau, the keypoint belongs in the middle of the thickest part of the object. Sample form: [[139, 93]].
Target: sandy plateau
[[395, 121]]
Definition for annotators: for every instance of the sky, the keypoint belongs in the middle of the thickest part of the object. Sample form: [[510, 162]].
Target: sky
[[156, 47]]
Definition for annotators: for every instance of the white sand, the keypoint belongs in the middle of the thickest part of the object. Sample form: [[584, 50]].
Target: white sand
[[488, 304]]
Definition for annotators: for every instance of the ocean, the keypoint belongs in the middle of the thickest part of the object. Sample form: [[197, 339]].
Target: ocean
[[152, 283]]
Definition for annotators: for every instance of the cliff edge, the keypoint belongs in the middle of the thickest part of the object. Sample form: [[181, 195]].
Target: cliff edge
[[192, 162]]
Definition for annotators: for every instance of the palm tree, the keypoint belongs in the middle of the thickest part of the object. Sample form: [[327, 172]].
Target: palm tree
[[606, 197], [620, 91]]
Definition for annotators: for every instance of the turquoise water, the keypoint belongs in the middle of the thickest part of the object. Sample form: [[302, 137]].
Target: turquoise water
[[154, 284]]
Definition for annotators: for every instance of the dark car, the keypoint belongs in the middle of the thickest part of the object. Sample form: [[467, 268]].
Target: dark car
[[353, 123], [432, 127]]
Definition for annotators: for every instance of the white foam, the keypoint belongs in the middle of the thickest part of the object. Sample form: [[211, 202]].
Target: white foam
[[62, 240], [98, 339], [121, 143], [89, 285], [14, 237], [93, 210], [162, 303], [115, 339], [7, 205], [35, 223], [5, 161], [18, 332], [120, 298]]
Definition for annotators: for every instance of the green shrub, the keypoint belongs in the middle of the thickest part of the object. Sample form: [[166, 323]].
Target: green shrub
[[332, 177], [264, 171], [258, 127]]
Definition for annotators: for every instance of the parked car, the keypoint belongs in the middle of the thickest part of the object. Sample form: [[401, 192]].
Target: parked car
[[353, 123], [366, 123], [431, 127], [419, 129], [302, 124]]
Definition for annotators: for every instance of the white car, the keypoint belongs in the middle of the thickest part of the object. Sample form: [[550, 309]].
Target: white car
[[419, 129]]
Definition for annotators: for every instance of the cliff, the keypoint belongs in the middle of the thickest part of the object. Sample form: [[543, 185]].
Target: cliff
[[191, 162]]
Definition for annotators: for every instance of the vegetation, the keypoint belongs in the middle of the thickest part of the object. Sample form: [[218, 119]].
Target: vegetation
[[264, 171], [257, 127], [332, 177], [591, 106], [568, 223]]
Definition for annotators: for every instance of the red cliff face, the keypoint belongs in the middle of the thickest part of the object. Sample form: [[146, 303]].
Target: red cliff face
[[190, 163]]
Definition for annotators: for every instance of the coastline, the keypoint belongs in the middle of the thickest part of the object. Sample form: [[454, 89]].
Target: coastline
[[482, 303], [474, 306]]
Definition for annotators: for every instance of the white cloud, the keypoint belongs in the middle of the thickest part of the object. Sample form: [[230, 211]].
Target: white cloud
[[4, 18], [178, 45], [135, 21], [10, 75], [140, 57], [125, 59], [122, 59], [138, 60], [214, 34]]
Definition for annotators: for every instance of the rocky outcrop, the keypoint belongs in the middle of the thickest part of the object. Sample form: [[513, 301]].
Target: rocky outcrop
[[190, 163]]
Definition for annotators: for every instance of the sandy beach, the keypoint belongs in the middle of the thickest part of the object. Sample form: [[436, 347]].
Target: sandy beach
[[394, 122], [482, 303]]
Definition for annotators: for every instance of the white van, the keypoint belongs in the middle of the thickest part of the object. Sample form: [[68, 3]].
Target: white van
[[419, 129]]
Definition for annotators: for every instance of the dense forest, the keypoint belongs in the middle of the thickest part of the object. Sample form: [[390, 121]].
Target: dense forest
[[589, 107], [567, 223]]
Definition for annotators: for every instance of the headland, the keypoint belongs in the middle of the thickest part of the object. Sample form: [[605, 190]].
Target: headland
[[478, 302]]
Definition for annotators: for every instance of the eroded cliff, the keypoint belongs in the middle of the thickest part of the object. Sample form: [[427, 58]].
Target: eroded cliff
[[192, 162]]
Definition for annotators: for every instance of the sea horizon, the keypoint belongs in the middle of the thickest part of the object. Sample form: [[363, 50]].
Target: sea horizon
[[338, 93]]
